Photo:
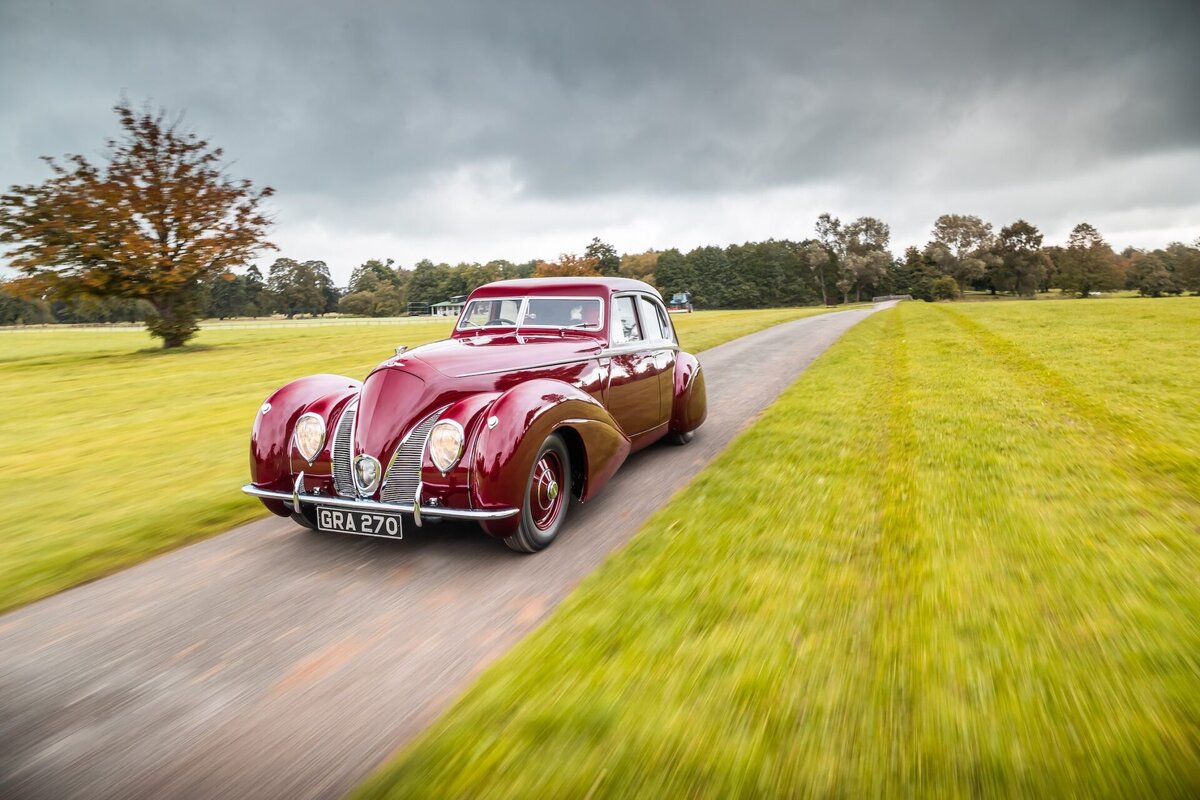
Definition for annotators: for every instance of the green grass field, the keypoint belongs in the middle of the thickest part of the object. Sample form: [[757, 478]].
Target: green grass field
[[959, 557], [115, 450]]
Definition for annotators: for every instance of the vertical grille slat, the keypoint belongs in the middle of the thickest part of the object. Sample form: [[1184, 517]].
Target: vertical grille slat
[[404, 472], [343, 478]]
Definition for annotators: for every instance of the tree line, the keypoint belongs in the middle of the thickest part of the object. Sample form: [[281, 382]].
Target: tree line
[[160, 233]]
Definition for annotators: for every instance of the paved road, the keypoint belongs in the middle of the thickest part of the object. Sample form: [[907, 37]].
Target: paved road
[[272, 662]]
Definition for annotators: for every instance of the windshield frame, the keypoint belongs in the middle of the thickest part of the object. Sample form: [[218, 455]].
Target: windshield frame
[[599, 327], [463, 325]]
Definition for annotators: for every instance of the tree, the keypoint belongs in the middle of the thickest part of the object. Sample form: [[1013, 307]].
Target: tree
[[20, 305], [299, 288], [961, 247], [673, 272], [866, 260], [1087, 264], [156, 220], [1184, 263], [857, 255], [372, 275], [256, 292], [640, 266], [1151, 277], [820, 263], [862, 270], [829, 235], [605, 256], [944, 288], [567, 266], [425, 284], [228, 296], [1021, 265]]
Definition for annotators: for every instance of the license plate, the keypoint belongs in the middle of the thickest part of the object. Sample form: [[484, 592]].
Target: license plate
[[364, 523]]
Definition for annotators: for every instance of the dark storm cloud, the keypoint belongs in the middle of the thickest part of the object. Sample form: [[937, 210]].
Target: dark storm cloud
[[348, 108]]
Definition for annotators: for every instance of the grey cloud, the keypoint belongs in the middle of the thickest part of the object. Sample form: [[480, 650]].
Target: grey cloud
[[354, 109]]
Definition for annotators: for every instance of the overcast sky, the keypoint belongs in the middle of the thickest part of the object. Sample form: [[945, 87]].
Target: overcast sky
[[465, 131]]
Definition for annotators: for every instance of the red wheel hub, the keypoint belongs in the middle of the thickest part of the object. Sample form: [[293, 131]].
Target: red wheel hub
[[546, 498]]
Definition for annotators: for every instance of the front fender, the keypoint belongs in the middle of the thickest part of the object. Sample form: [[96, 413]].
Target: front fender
[[270, 437], [525, 416]]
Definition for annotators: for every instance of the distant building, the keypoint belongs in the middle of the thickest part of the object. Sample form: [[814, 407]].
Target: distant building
[[449, 308]]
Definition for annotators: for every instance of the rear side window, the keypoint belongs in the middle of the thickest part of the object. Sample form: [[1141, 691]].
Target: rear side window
[[625, 326], [657, 328]]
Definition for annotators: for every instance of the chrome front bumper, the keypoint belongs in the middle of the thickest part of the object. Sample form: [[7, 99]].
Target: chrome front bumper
[[417, 509]]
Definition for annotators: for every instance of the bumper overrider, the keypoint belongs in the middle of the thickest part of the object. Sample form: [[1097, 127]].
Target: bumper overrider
[[296, 497]]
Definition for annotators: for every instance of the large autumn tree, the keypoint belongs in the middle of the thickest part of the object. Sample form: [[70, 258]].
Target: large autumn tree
[[153, 223]]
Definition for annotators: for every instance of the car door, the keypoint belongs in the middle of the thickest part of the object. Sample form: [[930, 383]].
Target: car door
[[660, 344], [633, 377]]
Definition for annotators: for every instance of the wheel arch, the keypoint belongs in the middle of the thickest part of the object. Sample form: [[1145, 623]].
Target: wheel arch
[[526, 416]]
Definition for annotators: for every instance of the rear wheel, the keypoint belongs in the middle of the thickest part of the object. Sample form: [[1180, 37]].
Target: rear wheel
[[680, 438], [547, 496]]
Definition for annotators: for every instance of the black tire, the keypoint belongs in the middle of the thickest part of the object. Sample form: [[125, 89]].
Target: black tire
[[540, 523], [304, 521], [680, 439]]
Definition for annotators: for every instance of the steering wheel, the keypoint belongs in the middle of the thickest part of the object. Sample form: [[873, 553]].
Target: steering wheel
[[500, 321]]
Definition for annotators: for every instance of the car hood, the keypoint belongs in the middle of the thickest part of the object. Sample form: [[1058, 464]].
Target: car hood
[[403, 390], [458, 358]]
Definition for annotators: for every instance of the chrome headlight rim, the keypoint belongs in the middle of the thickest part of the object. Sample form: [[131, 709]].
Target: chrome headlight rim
[[446, 458], [299, 439], [365, 489]]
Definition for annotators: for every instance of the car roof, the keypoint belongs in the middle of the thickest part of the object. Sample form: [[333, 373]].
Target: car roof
[[597, 285]]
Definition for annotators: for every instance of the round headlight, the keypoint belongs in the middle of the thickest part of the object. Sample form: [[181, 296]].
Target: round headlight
[[310, 435], [445, 445], [367, 473]]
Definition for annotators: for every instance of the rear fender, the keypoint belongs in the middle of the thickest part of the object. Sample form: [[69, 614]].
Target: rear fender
[[525, 416], [691, 402]]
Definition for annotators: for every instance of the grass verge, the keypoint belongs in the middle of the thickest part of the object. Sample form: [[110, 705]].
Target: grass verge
[[945, 562], [115, 450]]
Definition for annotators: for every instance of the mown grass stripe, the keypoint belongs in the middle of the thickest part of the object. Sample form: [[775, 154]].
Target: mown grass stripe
[[1130, 443]]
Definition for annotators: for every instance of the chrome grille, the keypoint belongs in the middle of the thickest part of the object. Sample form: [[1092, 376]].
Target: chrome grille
[[404, 473], [343, 477]]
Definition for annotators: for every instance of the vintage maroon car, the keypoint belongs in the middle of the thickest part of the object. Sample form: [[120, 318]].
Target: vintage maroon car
[[541, 392]]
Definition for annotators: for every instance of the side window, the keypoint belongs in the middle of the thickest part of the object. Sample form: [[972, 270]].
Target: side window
[[625, 326], [665, 321], [653, 321]]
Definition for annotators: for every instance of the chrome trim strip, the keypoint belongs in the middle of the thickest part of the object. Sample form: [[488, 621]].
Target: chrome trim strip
[[643, 346], [384, 508], [417, 504], [543, 365]]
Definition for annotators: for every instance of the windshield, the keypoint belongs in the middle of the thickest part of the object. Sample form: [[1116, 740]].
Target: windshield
[[496, 312], [562, 312], [584, 313]]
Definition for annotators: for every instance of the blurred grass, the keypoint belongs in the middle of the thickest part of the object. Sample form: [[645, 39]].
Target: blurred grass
[[944, 563], [115, 450]]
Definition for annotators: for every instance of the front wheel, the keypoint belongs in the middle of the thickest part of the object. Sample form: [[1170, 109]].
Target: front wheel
[[547, 496]]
